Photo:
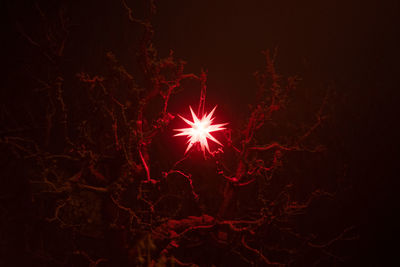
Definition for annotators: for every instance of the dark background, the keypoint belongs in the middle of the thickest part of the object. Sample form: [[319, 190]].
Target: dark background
[[348, 47]]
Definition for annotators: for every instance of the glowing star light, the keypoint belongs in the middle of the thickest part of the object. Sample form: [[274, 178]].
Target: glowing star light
[[200, 130]]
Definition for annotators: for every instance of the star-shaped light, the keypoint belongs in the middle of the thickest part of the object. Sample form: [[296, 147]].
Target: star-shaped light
[[200, 130]]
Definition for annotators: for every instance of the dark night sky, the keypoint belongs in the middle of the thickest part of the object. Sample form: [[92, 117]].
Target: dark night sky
[[351, 47]]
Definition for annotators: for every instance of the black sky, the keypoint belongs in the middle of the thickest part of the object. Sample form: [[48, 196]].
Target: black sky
[[351, 47]]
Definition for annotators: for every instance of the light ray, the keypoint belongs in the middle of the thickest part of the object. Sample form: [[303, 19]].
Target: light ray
[[200, 130]]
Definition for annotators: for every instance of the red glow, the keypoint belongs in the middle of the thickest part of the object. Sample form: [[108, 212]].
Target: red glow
[[200, 130]]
